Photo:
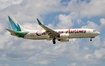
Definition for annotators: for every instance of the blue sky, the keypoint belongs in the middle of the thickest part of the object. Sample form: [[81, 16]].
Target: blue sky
[[54, 14]]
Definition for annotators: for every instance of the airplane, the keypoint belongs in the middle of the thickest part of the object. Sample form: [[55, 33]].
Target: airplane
[[62, 35]]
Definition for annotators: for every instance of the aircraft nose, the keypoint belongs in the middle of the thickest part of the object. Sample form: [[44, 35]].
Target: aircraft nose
[[98, 33]]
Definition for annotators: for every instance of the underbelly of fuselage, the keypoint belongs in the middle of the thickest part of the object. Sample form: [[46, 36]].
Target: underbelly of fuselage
[[81, 35]]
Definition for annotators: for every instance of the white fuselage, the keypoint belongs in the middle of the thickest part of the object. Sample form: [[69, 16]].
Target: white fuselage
[[65, 33]]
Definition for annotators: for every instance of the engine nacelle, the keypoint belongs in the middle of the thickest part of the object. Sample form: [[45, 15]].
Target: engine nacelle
[[64, 37]]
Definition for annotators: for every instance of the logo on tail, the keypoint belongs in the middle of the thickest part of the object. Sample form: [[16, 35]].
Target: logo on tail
[[14, 25]]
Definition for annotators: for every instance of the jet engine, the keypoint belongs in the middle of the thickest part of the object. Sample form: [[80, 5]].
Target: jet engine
[[64, 37]]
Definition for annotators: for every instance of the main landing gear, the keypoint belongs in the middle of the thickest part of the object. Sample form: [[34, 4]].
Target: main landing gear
[[90, 39], [54, 42]]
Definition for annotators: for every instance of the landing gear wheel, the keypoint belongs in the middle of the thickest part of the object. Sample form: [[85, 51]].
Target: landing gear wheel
[[54, 42], [90, 39]]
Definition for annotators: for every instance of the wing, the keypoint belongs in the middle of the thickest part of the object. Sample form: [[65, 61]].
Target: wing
[[50, 32]]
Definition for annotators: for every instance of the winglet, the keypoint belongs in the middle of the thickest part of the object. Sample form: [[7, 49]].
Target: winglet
[[39, 21]]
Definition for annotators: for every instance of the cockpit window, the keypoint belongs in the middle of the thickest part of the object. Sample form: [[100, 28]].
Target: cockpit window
[[94, 30]]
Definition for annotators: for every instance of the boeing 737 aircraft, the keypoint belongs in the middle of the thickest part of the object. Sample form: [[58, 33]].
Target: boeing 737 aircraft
[[62, 35]]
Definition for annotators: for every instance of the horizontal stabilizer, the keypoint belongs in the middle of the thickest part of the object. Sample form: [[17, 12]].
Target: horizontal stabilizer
[[11, 31]]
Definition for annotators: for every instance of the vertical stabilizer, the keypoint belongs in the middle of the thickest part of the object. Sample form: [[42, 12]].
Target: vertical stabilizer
[[15, 26]]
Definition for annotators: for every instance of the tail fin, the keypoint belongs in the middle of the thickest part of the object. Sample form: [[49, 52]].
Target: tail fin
[[15, 25], [17, 30]]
